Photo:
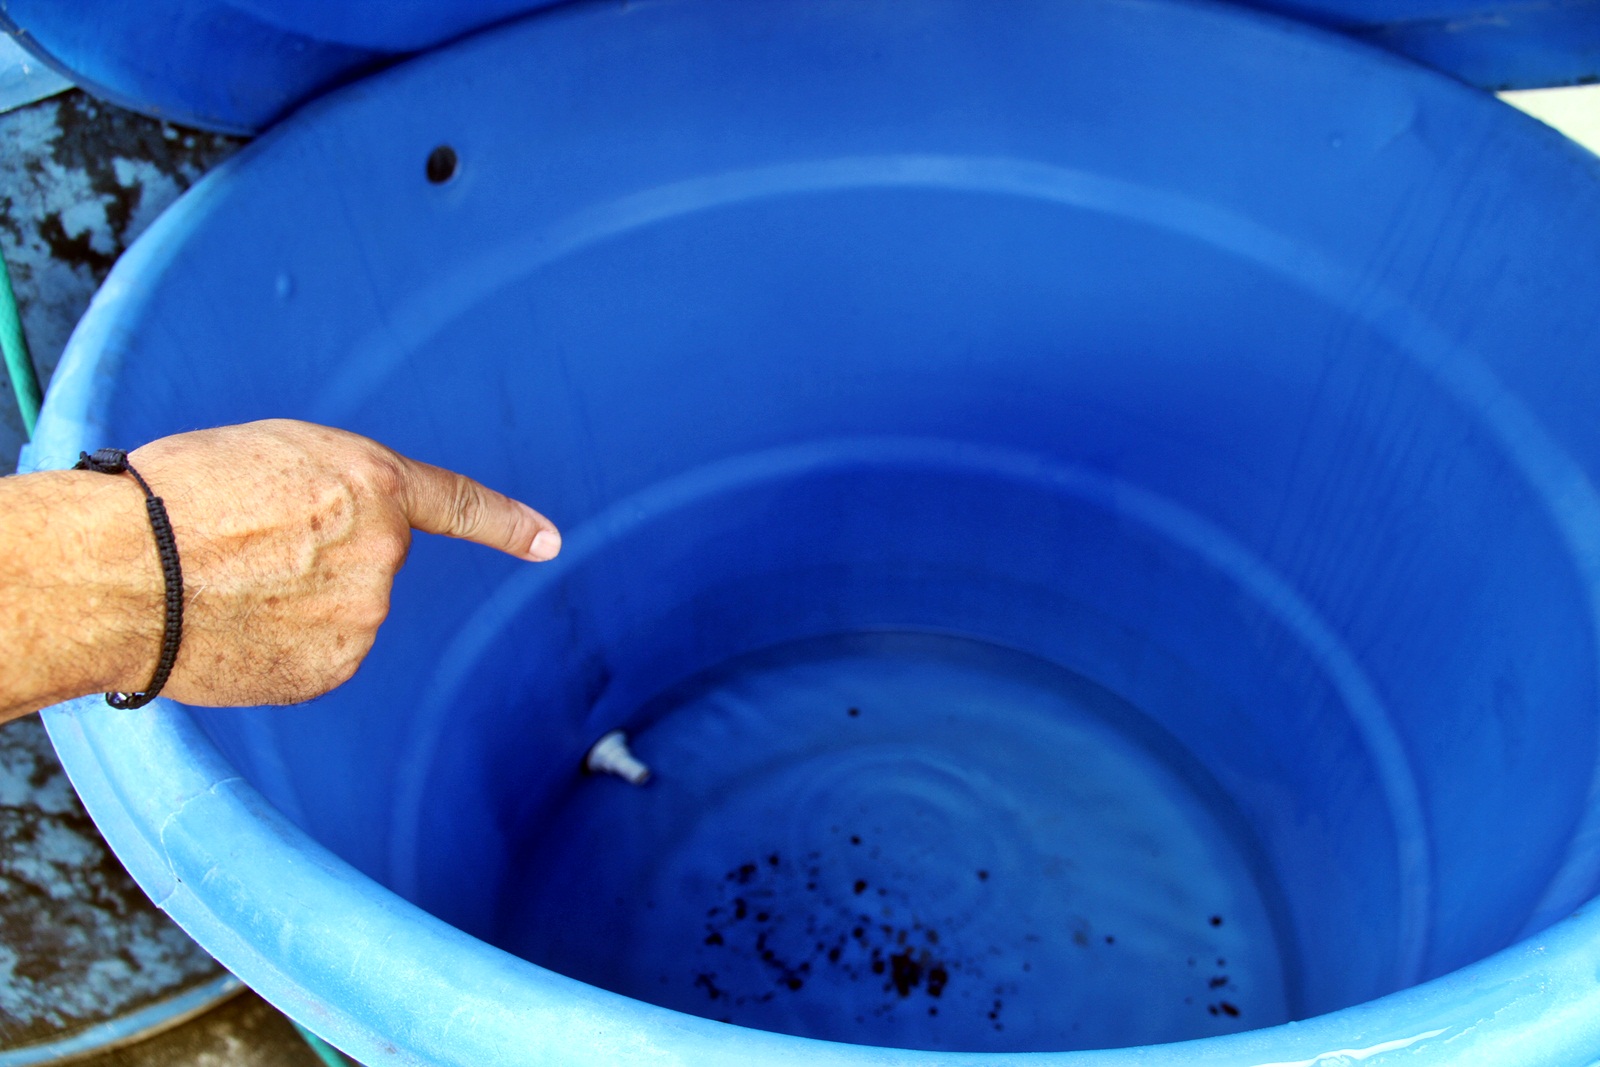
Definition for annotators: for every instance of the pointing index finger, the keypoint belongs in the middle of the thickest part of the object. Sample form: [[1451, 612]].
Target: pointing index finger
[[443, 502]]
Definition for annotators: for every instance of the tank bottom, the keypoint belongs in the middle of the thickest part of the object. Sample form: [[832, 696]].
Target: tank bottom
[[908, 840]]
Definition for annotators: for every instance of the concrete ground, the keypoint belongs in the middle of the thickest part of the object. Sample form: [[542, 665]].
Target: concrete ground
[[244, 1031]]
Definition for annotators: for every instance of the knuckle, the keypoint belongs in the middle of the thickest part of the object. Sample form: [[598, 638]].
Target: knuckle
[[467, 508], [373, 614], [380, 474], [346, 668], [342, 675], [396, 548], [368, 611]]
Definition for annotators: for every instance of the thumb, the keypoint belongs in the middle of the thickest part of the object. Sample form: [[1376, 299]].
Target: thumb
[[442, 502]]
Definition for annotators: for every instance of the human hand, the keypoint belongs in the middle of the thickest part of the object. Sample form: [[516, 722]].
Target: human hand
[[290, 536]]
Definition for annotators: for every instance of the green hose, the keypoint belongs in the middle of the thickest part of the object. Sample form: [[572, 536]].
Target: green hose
[[19, 364], [325, 1052]]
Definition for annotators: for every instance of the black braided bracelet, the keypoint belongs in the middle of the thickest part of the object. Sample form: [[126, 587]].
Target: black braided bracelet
[[115, 461]]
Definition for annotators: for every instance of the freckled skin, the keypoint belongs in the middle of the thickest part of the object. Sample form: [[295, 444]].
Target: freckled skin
[[289, 534]]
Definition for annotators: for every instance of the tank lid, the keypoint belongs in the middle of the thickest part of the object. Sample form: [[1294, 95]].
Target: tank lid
[[239, 65]]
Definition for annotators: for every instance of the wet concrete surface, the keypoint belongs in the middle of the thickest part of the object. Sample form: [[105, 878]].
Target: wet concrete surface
[[79, 181], [80, 943]]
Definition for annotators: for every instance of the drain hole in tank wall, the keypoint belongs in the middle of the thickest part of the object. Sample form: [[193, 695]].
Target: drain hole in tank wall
[[442, 163]]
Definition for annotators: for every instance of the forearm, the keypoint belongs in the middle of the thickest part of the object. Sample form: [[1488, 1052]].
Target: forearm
[[80, 588], [289, 534]]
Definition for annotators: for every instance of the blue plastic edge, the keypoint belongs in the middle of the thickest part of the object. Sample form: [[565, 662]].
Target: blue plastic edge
[[126, 1029], [270, 69]]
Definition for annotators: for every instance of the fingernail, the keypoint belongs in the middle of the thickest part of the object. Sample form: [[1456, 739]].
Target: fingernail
[[546, 543]]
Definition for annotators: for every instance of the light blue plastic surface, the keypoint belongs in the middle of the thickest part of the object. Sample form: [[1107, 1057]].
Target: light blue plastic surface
[[1170, 429], [240, 65]]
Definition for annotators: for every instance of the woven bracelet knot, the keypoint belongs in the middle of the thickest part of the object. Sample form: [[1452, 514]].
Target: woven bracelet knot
[[115, 461]]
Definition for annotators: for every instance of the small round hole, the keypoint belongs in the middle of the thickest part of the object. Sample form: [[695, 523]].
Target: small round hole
[[441, 164]]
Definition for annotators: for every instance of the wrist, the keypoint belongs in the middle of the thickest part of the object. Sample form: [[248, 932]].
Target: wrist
[[81, 590], [114, 462], [112, 586]]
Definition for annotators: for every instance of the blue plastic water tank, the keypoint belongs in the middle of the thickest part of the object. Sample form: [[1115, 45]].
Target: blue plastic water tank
[[1087, 509], [240, 65]]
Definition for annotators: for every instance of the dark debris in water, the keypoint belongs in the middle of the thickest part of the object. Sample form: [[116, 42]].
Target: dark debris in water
[[874, 939], [900, 958]]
